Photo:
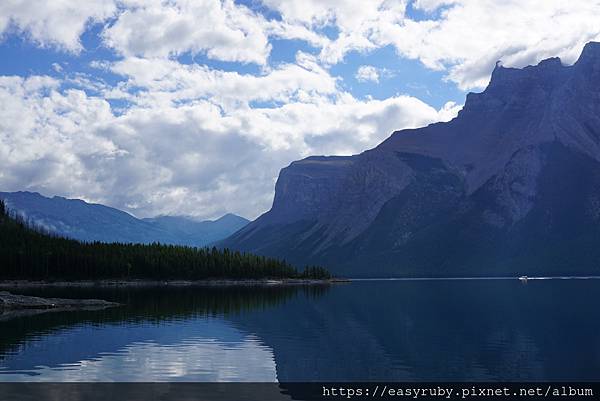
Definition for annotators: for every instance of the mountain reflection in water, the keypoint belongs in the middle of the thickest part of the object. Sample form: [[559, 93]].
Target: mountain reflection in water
[[372, 330]]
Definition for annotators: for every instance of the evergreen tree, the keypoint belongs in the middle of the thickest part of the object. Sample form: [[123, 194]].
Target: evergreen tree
[[27, 252]]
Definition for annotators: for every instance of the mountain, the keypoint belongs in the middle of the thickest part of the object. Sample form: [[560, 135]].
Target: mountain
[[28, 253], [84, 221], [203, 232], [510, 186]]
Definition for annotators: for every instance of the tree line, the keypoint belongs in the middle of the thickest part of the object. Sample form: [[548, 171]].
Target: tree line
[[30, 252]]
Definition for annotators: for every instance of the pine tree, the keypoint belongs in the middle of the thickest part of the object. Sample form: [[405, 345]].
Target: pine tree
[[26, 252]]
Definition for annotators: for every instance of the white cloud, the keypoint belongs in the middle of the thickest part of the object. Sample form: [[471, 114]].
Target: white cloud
[[465, 39], [471, 36], [199, 141], [166, 81], [356, 21], [367, 73], [195, 158], [57, 67], [47, 148], [448, 111], [432, 5], [57, 23], [221, 29]]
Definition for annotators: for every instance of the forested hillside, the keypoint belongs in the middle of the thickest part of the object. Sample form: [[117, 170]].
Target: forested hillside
[[29, 253]]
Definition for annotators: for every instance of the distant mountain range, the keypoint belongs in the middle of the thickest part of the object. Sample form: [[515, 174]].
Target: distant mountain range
[[84, 221], [511, 186]]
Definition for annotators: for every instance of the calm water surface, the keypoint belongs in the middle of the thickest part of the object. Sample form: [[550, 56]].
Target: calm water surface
[[365, 330]]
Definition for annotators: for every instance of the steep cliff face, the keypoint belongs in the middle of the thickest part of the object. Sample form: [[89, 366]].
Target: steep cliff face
[[511, 185]]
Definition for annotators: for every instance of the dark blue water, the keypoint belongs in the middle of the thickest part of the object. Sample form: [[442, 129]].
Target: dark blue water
[[367, 330]]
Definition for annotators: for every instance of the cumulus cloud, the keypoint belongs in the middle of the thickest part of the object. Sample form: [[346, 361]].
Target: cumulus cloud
[[195, 158], [167, 81], [431, 5], [355, 20], [57, 23], [367, 73], [465, 39], [222, 29], [190, 139], [470, 36]]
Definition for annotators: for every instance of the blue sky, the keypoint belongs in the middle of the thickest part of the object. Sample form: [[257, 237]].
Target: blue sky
[[192, 107], [399, 75]]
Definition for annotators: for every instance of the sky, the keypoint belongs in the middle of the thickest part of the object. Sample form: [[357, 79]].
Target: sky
[[192, 107]]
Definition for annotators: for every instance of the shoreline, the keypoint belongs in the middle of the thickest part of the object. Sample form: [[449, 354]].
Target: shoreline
[[490, 278], [15, 305], [142, 283], [7, 284]]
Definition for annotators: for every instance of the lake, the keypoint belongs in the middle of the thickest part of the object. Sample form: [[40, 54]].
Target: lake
[[373, 330]]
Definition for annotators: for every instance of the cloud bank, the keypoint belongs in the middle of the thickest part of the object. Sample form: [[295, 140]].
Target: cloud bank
[[168, 136]]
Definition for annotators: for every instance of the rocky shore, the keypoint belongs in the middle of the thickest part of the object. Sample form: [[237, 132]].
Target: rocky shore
[[16, 302], [11, 284]]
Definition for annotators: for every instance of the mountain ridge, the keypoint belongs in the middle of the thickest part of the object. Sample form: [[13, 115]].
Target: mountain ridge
[[479, 176], [77, 219]]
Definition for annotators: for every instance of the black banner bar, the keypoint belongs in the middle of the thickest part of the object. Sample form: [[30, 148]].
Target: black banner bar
[[296, 391]]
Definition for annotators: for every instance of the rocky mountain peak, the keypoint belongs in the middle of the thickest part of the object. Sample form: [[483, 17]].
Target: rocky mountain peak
[[590, 53], [507, 182], [519, 87]]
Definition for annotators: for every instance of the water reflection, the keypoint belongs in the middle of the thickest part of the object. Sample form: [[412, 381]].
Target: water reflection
[[158, 335], [198, 354], [437, 330], [380, 331]]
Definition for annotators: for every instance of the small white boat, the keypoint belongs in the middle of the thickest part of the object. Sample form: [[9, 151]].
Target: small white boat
[[523, 278]]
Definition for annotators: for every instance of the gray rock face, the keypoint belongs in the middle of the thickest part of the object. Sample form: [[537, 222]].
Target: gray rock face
[[501, 185], [320, 178]]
